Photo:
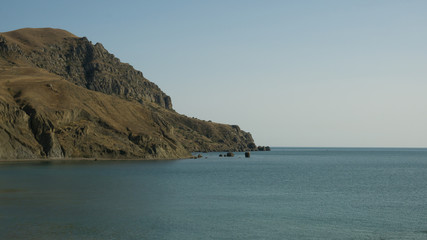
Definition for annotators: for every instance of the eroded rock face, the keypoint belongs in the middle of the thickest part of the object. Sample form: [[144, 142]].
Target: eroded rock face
[[31, 127], [47, 108], [16, 139], [90, 66]]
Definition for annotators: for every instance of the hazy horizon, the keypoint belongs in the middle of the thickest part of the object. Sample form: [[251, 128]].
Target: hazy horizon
[[292, 73]]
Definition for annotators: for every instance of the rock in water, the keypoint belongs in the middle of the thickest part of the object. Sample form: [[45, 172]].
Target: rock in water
[[264, 148], [230, 154]]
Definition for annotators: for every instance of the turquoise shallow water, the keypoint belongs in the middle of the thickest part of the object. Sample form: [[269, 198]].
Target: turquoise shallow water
[[288, 193]]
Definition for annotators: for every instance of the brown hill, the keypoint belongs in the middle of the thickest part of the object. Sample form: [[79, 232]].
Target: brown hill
[[80, 62], [33, 38], [46, 112]]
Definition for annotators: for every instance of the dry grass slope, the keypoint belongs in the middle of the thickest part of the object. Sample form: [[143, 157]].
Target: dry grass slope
[[45, 115], [30, 38]]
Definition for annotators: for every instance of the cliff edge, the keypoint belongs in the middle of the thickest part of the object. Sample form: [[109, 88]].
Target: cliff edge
[[63, 97]]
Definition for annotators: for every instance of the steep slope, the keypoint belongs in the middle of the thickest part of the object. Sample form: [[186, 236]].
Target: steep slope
[[80, 62], [46, 114]]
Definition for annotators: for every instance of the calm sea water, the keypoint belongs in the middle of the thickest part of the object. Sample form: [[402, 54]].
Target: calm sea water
[[288, 193]]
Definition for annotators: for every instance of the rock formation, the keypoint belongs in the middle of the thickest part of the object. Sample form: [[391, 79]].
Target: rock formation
[[263, 148], [230, 154], [81, 62], [63, 97]]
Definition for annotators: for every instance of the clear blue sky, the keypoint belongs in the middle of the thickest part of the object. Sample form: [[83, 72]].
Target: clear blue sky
[[293, 73]]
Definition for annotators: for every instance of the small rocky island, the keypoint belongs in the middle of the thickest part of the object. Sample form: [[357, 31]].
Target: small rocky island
[[63, 97]]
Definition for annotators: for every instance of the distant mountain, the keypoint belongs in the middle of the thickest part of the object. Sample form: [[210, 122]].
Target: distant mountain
[[63, 97]]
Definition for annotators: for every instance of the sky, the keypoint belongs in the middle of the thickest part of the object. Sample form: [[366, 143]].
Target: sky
[[292, 73]]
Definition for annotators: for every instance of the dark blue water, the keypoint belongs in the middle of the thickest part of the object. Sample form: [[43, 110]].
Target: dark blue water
[[283, 194]]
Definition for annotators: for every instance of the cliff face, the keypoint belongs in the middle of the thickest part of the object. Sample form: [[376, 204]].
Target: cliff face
[[80, 62], [61, 96]]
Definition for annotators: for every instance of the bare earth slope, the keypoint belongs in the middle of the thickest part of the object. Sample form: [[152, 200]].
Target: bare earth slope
[[63, 97]]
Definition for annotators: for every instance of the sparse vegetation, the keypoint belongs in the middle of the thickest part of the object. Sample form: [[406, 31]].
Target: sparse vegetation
[[46, 115]]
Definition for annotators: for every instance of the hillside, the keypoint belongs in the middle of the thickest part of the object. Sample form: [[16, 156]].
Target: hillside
[[80, 62], [63, 97]]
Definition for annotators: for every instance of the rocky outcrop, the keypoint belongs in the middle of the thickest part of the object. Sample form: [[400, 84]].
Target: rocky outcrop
[[85, 64], [62, 97], [14, 132], [230, 154], [56, 119], [263, 148]]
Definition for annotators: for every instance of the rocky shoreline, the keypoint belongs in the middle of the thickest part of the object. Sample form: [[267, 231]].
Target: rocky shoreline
[[63, 97]]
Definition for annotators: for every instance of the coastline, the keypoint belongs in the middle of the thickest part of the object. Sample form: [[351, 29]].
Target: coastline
[[85, 160], [194, 155]]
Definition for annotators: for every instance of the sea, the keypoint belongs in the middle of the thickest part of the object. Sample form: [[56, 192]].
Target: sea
[[286, 193]]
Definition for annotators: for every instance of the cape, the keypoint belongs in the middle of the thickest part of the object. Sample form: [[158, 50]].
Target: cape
[[63, 97]]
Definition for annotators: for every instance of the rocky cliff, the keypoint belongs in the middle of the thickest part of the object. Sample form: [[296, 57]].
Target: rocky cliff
[[80, 62], [63, 97]]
